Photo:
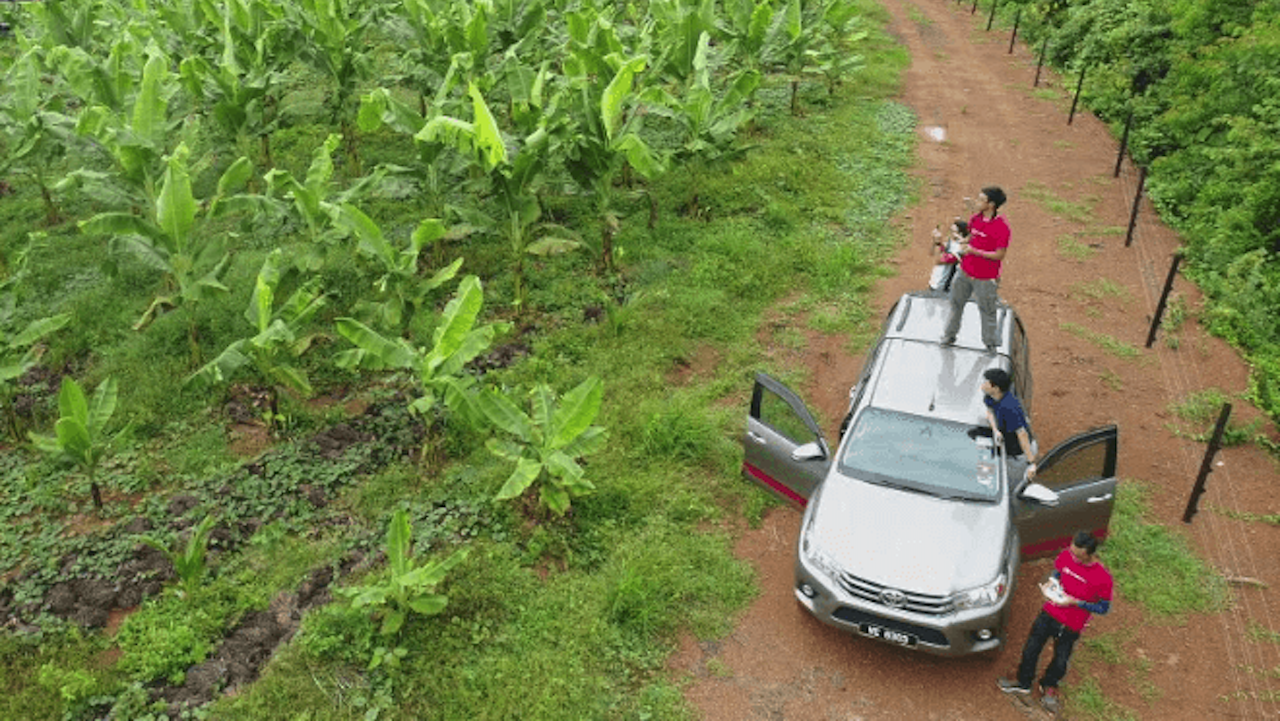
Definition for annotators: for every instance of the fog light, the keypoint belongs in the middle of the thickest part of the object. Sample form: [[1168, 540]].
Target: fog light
[[985, 634], [808, 591]]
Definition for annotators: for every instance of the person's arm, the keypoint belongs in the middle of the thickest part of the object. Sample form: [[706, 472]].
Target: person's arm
[[1025, 441], [1098, 608]]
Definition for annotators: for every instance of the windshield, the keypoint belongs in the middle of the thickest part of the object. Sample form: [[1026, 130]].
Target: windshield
[[922, 454]]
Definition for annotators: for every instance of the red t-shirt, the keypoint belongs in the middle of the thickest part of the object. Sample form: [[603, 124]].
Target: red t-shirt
[[1088, 583], [986, 235]]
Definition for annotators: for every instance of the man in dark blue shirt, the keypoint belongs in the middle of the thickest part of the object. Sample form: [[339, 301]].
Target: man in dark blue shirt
[[1009, 425]]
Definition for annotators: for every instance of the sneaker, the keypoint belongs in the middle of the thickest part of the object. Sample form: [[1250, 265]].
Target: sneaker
[[948, 341], [1050, 700], [991, 350], [1012, 687]]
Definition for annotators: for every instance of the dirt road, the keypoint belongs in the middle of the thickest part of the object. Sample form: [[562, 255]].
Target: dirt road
[[982, 124]]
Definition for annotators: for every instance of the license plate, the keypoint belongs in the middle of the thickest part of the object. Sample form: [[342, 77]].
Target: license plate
[[887, 634]]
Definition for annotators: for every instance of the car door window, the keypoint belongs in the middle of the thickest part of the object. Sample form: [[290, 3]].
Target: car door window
[[1086, 462], [777, 413]]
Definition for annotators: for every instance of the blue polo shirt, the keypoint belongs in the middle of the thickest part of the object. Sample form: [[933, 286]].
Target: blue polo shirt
[[1009, 418]]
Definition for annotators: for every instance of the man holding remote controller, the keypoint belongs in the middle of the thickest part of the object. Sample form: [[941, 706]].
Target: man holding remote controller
[[1079, 587]]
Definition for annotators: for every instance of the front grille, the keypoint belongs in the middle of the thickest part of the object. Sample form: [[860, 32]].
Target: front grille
[[915, 602], [927, 635]]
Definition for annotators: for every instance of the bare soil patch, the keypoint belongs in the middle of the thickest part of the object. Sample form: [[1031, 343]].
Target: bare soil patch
[[982, 124]]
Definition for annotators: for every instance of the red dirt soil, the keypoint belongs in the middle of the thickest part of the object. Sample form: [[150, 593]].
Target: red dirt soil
[[780, 663]]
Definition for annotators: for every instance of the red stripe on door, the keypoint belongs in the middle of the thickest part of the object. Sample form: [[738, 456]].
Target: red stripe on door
[[768, 481]]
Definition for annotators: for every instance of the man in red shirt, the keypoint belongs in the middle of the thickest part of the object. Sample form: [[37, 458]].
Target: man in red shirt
[[1081, 586], [980, 268]]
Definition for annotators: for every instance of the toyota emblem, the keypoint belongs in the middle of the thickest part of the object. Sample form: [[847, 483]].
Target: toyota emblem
[[893, 598]]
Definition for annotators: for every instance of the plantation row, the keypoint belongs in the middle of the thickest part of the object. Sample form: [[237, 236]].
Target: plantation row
[[1200, 79], [164, 115]]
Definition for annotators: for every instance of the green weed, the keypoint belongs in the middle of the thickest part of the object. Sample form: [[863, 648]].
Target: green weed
[[1071, 248], [1078, 211], [1262, 634], [1268, 518], [1111, 380], [1117, 348], [1087, 699], [1154, 566], [1199, 414], [1100, 289]]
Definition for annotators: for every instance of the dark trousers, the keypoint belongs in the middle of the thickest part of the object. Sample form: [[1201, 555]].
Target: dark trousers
[[1064, 639]]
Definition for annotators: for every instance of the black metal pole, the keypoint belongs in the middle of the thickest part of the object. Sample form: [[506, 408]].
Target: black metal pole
[[1017, 19], [1076, 100], [1124, 144], [1164, 297], [974, 9], [1043, 47], [1137, 198], [1206, 467], [992, 17]]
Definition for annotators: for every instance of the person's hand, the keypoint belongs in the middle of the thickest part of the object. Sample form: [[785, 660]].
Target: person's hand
[[937, 234], [1031, 471]]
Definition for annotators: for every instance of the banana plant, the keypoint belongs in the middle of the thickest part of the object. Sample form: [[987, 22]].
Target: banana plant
[[411, 584], [80, 435], [440, 370], [710, 124], [547, 443], [35, 129], [678, 26], [280, 338], [832, 56], [333, 39], [432, 170], [189, 560], [514, 179], [136, 133], [317, 200], [744, 26], [19, 352], [400, 291], [791, 40], [241, 92], [606, 136], [173, 240]]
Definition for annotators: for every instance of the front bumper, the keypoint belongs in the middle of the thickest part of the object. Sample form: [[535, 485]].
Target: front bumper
[[956, 633]]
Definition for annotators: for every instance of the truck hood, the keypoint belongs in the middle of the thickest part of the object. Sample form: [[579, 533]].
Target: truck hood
[[907, 540]]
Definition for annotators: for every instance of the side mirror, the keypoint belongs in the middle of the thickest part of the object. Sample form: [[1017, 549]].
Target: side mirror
[[808, 452], [1039, 494]]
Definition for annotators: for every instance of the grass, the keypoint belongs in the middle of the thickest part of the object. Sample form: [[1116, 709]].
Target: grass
[[1198, 415], [1070, 247], [1115, 347], [1154, 566], [1080, 211], [1111, 380], [1086, 701], [1272, 519], [1100, 289]]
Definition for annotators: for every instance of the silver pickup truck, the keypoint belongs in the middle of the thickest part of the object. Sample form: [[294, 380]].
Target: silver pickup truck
[[912, 531]]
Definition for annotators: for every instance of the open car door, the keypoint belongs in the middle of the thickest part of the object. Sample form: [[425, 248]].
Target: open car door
[[1081, 473], [783, 448]]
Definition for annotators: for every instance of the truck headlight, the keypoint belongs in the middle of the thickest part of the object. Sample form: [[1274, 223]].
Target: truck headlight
[[986, 595], [814, 554]]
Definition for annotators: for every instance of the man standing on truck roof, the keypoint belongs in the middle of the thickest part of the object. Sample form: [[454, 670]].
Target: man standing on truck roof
[[979, 270], [1079, 587]]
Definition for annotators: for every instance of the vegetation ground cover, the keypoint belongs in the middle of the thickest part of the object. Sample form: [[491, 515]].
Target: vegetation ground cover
[[549, 615]]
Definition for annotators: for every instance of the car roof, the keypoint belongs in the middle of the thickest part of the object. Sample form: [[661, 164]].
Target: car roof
[[914, 373], [923, 316], [928, 379]]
